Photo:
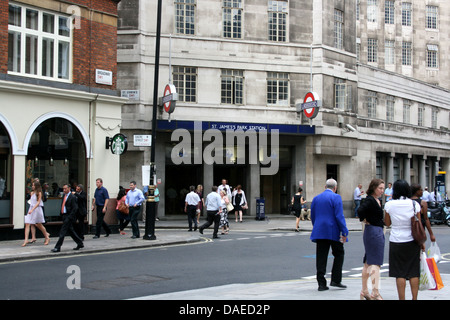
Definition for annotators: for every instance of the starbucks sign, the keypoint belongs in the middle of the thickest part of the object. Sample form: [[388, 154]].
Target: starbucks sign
[[119, 144]]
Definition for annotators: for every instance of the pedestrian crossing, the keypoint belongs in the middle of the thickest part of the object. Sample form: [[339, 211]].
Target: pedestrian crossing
[[353, 272]]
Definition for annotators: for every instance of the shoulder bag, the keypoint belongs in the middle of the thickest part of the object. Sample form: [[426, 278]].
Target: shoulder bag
[[123, 208], [417, 230]]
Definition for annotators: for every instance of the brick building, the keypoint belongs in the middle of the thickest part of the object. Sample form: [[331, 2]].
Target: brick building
[[58, 102]]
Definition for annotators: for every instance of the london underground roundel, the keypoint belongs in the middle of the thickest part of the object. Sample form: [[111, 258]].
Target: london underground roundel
[[311, 104]]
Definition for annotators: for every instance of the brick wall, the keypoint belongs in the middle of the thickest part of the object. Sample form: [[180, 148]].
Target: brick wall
[[3, 36], [94, 43]]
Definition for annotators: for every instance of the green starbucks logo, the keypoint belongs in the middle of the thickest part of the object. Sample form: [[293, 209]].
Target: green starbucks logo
[[119, 144]]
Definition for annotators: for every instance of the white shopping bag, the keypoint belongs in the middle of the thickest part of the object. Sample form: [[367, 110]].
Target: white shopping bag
[[434, 252], [426, 278]]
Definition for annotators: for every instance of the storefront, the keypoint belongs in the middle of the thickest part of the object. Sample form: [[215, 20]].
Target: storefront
[[60, 140], [268, 161]]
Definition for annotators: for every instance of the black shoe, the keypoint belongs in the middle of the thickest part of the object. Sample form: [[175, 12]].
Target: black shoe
[[323, 288], [200, 230], [190, 230], [55, 250], [339, 285], [95, 237], [107, 235], [78, 247], [216, 237]]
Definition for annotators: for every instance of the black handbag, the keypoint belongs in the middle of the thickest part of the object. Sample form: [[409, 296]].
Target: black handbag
[[417, 230]]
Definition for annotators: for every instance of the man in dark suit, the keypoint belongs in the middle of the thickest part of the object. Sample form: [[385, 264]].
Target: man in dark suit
[[69, 208], [329, 230], [81, 196]]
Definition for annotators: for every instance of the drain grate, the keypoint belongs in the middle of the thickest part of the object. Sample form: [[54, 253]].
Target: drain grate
[[122, 282]]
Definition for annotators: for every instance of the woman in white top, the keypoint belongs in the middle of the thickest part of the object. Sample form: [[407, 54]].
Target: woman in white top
[[404, 252]]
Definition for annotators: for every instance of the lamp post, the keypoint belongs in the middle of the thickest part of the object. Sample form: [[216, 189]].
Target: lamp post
[[150, 211]]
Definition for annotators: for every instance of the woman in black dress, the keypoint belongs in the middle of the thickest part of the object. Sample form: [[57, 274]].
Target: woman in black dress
[[297, 203], [371, 213]]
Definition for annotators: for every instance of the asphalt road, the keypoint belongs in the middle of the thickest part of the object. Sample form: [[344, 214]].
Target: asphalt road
[[240, 257]]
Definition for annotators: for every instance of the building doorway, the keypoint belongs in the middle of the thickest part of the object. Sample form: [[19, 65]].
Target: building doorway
[[178, 180], [56, 155]]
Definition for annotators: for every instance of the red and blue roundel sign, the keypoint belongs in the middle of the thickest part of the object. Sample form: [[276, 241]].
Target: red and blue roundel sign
[[169, 98], [311, 104]]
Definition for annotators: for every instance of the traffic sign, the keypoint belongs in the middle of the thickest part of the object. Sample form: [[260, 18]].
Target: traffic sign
[[311, 104], [169, 98]]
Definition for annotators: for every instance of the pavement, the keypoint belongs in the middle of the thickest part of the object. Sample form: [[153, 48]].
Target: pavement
[[172, 231]]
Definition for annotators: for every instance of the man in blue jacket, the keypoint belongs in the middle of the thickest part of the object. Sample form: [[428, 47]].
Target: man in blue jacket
[[329, 230]]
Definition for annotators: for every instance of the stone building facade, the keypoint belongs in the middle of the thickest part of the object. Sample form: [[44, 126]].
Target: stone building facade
[[242, 62]]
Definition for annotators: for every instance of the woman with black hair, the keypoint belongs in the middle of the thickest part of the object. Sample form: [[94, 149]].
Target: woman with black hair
[[124, 219], [404, 252], [371, 213]]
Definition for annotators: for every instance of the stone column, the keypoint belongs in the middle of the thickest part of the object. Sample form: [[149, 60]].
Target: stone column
[[390, 167], [422, 173], [407, 168]]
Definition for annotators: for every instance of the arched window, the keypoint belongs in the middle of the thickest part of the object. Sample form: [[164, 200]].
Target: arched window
[[5, 176], [56, 155]]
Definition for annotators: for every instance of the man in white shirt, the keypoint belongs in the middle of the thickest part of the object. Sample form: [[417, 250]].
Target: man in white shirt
[[426, 195], [226, 187], [213, 209], [190, 207], [357, 198]]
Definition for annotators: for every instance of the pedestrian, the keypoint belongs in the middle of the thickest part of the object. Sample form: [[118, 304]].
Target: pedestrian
[[297, 202], [329, 230], [357, 198], [134, 200], [404, 252], [81, 196], [388, 192], [224, 186], [124, 218], [426, 195], [35, 216], [100, 202], [239, 201], [213, 210], [199, 191], [371, 213], [224, 215], [191, 204], [69, 210], [417, 192]]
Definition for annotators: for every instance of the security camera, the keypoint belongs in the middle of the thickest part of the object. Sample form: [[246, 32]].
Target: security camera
[[350, 128]]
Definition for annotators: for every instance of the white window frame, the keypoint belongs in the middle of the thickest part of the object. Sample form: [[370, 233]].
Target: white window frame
[[230, 10], [342, 95], [389, 12], [278, 87], [389, 52], [432, 56], [406, 14], [406, 53], [431, 17], [390, 108], [182, 8], [372, 50], [40, 35], [372, 104], [277, 20], [372, 11]]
